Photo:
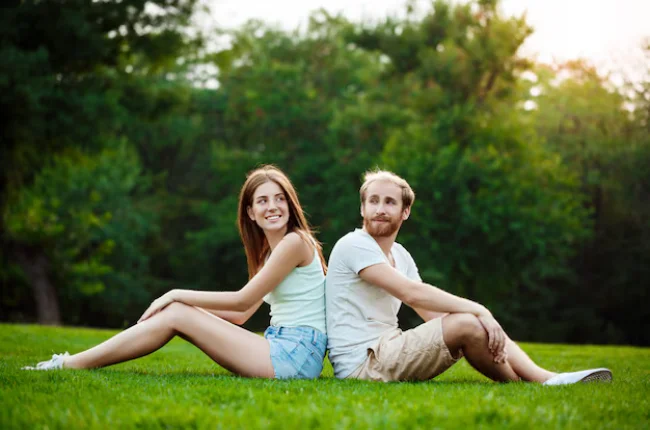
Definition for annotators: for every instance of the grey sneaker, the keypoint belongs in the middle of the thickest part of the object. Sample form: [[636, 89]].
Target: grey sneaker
[[602, 374], [55, 363]]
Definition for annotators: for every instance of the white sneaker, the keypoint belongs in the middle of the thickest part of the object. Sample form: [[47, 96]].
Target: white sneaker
[[602, 374], [55, 363]]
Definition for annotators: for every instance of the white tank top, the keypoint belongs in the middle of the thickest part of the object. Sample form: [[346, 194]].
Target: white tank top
[[299, 300]]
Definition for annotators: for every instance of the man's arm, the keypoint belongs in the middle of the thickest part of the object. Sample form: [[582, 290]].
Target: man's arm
[[427, 315], [419, 295]]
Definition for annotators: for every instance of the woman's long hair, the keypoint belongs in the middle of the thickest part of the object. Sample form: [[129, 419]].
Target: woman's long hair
[[255, 243]]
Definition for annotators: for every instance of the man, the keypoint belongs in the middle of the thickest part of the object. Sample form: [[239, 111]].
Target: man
[[369, 277]]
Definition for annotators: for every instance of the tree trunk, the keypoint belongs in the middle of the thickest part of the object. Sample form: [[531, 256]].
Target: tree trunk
[[35, 265]]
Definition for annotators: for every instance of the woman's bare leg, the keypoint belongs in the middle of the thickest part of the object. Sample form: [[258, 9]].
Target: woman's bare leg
[[232, 347]]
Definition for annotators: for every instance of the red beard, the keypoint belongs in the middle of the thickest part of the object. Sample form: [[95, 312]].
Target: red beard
[[383, 229]]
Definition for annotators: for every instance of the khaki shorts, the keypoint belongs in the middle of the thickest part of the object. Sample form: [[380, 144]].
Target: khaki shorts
[[418, 354]]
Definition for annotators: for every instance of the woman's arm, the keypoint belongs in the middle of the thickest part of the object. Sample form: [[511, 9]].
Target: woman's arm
[[287, 255], [236, 317]]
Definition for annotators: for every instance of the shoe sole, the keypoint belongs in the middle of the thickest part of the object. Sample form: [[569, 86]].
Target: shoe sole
[[600, 376]]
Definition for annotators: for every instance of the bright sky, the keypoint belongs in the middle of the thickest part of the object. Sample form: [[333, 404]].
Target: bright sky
[[607, 32]]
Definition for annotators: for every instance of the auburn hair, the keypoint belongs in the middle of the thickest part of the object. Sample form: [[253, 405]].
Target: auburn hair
[[255, 243]]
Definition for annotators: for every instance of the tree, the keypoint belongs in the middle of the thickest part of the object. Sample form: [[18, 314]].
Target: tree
[[62, 69], [586, 119], [499, 211], [79, 218]]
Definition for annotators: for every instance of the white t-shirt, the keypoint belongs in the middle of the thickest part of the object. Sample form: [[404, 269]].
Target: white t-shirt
[[359, 313]]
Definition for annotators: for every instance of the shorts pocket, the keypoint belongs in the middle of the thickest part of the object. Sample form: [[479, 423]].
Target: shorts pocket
[[312, 363], [282, 352], [289, 347], [307, 343], [297, 355]]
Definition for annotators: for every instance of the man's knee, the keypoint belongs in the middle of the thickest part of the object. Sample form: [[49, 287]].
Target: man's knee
[[463, 328]]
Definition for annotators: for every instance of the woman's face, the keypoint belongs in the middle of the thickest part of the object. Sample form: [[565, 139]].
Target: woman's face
[[270, 209]]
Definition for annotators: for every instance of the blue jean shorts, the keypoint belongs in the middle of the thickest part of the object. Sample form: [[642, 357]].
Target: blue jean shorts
[[296, 352]]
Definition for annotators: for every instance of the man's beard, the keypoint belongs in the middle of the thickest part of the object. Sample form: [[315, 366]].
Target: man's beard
[[384, 229]]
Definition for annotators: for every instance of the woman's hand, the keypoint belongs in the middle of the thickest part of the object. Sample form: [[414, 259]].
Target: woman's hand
[[158, 305]]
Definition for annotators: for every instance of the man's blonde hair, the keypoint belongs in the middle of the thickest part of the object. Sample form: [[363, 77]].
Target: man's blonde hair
[[408, 196]]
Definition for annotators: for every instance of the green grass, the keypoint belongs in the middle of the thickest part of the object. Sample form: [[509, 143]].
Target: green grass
[[179, 387]]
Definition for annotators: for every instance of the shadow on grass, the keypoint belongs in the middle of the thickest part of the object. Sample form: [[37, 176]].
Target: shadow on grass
[[163, 373], [328, 380]]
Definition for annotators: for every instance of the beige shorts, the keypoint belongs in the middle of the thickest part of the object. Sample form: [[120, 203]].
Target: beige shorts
[[418, 354]]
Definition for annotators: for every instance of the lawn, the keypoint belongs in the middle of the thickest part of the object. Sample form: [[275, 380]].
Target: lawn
[[179, 387]]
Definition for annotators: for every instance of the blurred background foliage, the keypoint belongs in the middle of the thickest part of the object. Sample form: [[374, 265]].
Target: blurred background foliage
[[121, 168]]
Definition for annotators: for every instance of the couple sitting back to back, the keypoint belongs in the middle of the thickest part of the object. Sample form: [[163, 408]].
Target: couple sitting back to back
[[368, 278]]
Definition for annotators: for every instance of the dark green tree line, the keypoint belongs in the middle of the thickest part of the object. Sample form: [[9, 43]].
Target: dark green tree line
[[66, 68], [121, 174]]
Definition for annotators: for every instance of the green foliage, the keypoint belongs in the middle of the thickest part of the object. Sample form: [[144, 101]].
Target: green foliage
[[180, 386], [541, 214], [295, 100], [61, 66], [585, 120], [84, 212], [499, 212], [70, 73]]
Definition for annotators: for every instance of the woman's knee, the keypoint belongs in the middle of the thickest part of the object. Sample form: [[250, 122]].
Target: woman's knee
[[176, 313]]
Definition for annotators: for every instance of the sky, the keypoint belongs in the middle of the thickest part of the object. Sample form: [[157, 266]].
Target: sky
[[606, 32]]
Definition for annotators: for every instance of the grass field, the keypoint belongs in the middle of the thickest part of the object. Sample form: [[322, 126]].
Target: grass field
[[179, 387]]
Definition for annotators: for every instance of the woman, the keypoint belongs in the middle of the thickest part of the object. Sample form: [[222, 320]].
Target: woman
[[286, 269]]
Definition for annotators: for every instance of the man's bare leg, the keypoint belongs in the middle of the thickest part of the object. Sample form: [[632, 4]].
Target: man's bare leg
[[518, 360], [464, 332], [522, 364]]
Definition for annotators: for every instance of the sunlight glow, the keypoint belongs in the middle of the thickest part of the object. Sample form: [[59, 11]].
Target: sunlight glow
[[606, 32]]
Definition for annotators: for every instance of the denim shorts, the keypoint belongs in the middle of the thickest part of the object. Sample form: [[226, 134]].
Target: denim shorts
[[296, 352]]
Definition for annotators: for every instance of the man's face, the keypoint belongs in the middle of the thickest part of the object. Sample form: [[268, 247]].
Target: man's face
[[382, 209]]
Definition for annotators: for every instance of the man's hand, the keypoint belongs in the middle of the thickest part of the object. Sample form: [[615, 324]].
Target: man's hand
[[158, 305], [501, 357], [496, 337]]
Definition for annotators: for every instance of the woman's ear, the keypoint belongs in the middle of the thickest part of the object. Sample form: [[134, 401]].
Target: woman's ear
[[249, 211]]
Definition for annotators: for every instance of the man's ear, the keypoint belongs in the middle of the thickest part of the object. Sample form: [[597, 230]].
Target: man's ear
[[361, 210], [406, 213], [249, 211]]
